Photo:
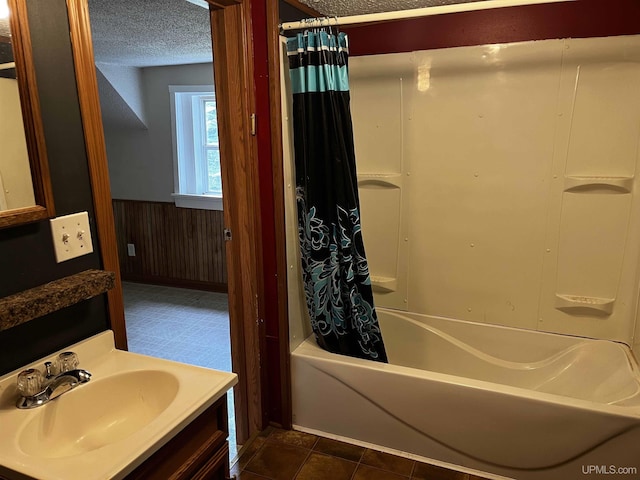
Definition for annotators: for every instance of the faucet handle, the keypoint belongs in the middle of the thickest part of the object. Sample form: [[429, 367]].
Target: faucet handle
[[30, 382], [67, 361], [50, 370]]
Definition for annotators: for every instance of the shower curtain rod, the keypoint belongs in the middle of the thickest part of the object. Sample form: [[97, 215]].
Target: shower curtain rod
[[406, 14]]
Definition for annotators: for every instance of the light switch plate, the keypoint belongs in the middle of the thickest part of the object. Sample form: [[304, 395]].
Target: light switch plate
[[71, 236]]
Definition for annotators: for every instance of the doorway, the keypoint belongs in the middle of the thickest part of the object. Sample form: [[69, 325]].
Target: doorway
[[232, 46], [168, 254]]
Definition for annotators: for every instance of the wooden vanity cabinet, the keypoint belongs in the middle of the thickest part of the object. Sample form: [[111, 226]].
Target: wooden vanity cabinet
[[199, 452]]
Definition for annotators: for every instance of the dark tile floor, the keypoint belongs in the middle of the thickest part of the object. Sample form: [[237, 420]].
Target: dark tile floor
[[287, 455], [188, 326]]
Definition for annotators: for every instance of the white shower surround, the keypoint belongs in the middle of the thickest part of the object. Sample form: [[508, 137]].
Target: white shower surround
[[499, 183], [446, 396]]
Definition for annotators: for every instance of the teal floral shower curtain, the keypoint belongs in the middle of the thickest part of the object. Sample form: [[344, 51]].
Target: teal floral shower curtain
[[335, 269]]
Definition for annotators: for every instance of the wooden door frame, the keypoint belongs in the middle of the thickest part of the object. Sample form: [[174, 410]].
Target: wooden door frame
[[87, 85], [233, 69], [278, 357], [235, 97], [283, 358]]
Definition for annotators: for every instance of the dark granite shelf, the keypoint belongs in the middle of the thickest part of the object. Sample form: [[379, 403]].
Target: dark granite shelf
[[36, 302]]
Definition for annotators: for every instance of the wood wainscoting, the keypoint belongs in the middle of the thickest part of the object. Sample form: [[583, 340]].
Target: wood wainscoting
[[181, 247]]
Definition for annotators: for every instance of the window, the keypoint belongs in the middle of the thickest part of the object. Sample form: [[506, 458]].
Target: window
[[196, 152]]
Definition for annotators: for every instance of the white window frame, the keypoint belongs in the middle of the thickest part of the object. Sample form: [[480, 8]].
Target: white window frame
[[189, 151]]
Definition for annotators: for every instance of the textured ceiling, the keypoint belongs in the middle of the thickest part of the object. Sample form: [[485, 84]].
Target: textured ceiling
[[343, 8], [144, 33]]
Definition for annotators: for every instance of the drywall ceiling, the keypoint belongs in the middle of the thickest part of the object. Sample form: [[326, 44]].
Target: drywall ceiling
[[143, 33], [343, 8]]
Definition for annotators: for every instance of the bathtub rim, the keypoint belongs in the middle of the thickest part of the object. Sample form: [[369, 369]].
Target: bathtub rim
[[396, 312], [309, 351], [632, 362]]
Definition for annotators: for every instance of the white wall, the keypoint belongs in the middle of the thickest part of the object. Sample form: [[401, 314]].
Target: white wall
[[141, 161], [15, 174], [480, 170], [127, 81]]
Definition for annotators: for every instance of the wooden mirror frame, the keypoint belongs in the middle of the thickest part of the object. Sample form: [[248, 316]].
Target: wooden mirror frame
[[34, 133]]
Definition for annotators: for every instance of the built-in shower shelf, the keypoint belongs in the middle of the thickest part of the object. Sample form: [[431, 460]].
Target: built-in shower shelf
[[384, 284], [580, 184], [389, 180], [575, 303]]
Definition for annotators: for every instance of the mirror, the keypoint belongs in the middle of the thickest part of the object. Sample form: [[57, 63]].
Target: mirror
[[25, 186]]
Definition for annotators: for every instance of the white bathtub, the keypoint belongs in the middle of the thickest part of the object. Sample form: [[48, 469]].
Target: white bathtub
[[509, 402]]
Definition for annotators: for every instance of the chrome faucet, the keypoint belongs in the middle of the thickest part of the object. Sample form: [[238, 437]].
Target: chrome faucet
[[37, 389]]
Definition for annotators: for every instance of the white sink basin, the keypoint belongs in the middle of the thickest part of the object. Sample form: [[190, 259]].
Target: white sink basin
[[98, 413], [105, 428]]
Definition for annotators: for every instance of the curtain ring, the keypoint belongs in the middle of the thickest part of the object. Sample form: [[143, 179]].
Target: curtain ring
[[309, 24]]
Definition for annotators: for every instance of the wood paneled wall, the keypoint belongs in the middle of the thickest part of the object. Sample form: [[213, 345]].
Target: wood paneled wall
[[175, 246]]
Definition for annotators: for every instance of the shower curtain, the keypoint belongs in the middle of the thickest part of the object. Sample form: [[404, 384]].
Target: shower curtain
[[334, 267]]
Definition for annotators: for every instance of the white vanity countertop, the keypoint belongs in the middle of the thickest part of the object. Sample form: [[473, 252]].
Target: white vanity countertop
[[48, 442]]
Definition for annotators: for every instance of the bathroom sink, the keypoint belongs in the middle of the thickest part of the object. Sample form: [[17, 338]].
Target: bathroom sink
[[105, 428], [98, 413]]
